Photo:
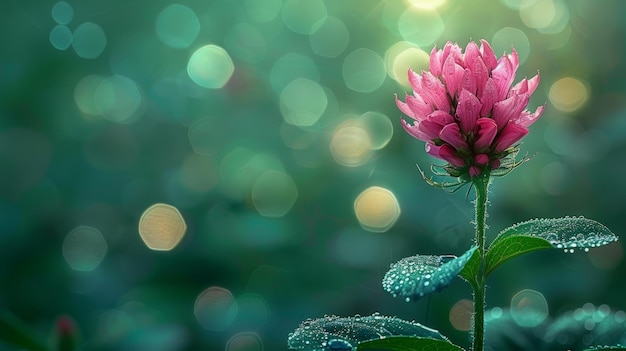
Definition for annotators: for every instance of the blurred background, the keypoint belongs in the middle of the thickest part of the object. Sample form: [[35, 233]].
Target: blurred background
[[269, 129]]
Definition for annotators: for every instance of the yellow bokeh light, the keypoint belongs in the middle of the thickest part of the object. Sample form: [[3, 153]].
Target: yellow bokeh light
[[377, 209], [427, 4], [162, 227], [461, 315], [350, 144], [402, 56], [568, 94]]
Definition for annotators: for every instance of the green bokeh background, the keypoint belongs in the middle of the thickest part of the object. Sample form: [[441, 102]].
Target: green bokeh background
[[61, 168]]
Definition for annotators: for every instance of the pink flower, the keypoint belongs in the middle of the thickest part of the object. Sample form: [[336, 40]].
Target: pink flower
[[466, 110]]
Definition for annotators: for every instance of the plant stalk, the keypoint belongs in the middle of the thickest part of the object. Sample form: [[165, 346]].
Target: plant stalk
[[481, 184]]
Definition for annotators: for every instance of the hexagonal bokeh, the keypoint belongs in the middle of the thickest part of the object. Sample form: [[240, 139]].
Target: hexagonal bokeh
[[162, 227]]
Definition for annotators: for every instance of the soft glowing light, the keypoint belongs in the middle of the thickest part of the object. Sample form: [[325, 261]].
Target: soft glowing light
[[84, 94], [274, 193], [568, 94], [461, 315], [118, 99], [84, 248], [245, 341], [89, 40], [363, 70], [303, 102], [210, 66], [350, 144], [529, 308], [177, 26], [62, 12], [403, 55], [215, 308], [427, 4], [304, 17], [509, 37], [538, 15], [263, 10], [377, 209], [422, 27], [291, 67], [61, 37], [162, 227], [379, 128], [254, 311], [331, 38]]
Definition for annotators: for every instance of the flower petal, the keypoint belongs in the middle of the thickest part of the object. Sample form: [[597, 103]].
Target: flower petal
[[526, 118], [481, 74], [453, 76], [469, 83], [434, 123], [510, 134], [414, 130], [503, 75], [486, 131], [468, 110], [471, 54], [404, 107], [434, 92], [490, 93], [451, 134], [420, 108], [436, 61], [489, 57], [533, 83], [509, 109], [446, 152]]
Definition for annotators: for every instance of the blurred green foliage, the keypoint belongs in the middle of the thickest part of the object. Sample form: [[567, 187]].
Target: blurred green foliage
[[104, 113]]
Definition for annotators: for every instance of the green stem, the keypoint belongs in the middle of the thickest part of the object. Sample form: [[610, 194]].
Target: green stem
[[481, 184]]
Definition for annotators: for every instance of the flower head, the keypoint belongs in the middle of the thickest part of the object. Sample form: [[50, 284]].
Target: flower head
[[466, 110]]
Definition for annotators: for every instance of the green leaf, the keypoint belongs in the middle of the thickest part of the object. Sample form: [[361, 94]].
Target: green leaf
[[512, 246], [567, 233], [416, 276], [471, 271], [14, 332], [345, 333], [404, 343]]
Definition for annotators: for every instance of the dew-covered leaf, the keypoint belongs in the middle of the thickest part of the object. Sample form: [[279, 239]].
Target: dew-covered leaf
[[333, 333], [404, 343], [567, 233], [511, 246], [417, 276], [604, 348], [471, 271]]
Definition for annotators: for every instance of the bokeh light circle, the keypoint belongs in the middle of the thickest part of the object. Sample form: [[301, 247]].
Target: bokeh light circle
[[304, 17], [274, 193], [84, 248], [162, 227], [529, 308], [363, 70], [89, 40], [379, 128], [263, 10], [331, 38], [420, 26], [290, 67], [210, 66], [215, 308], [61, 37], [427, 4], [509, 37], [377, 209], [118, 99], [84, 94], [245, 341], [461, 315], [568, 94], [177, 26], [303, 102], [350, 144], [402, 56], [254, 311], [62, 12]]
